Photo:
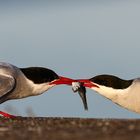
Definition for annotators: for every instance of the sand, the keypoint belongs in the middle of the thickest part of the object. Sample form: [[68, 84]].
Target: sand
[[26, 128]]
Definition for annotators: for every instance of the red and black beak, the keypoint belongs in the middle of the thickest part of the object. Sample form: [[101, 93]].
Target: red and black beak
[[83, 83], [87, 83], [63, 80]]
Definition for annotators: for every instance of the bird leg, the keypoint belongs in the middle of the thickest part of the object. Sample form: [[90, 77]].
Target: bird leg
[[6, 115]]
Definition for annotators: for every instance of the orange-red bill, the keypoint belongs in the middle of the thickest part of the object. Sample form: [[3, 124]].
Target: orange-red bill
[[87, 83], [63, 80]]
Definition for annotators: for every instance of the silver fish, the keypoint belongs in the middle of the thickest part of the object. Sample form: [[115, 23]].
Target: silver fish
[[78, 87]]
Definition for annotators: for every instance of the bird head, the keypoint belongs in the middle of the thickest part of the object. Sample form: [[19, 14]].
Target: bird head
[[107, 85]]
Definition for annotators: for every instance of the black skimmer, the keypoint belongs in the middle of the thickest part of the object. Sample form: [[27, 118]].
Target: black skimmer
[[17, 83], [125, 93]]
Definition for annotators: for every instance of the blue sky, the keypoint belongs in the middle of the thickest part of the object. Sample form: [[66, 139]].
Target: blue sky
[[78, 39]]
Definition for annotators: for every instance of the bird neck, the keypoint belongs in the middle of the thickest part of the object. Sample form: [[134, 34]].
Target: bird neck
[[109, 92], [128, 98], [37, 89]]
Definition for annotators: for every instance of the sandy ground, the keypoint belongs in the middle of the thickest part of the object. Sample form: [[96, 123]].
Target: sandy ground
[[68, 128]]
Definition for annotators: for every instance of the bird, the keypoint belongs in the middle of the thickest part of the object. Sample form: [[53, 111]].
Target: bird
[[17, 83], [125, 93]]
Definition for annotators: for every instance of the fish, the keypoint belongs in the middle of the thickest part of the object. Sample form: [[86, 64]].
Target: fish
[[78, 87]]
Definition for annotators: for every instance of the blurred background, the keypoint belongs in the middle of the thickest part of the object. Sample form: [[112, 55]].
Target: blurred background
[[75, 38]]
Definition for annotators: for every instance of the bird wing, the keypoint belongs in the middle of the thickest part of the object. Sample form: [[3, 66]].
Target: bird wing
[[7, 84]]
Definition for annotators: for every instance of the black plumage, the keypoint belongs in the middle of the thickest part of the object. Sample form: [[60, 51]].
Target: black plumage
[[39, 74], [111, 81]]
